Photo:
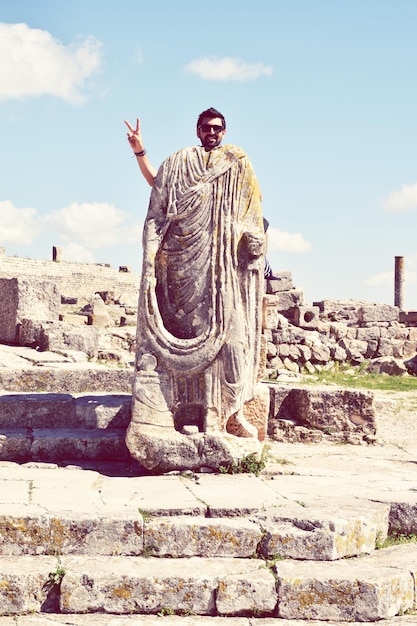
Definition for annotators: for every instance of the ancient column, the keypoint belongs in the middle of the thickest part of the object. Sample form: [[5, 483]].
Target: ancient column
[[399, 282]]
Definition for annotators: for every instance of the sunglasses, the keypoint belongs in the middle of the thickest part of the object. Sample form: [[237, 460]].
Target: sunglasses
[[207, 128]]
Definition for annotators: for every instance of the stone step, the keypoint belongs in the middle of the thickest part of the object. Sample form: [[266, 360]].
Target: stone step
[[366, 589], [70, 511], [64, 410], [29, 530], [92, 619], [62, 428], [65, 378], [175, 620], [63, 445]]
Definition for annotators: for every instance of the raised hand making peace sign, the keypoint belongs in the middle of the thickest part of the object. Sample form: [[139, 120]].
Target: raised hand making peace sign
[[134, 138]]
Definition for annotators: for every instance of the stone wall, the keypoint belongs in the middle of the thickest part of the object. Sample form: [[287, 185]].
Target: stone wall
[[76, 280], [299, 336]]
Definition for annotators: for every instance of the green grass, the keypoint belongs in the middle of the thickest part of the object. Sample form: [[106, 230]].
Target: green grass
[[396, 539], [250, 464], [346, 376]]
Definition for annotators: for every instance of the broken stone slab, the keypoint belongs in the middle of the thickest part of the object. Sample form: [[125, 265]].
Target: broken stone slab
[[199, 536], [343, 590], [323, 534], [136, 585]]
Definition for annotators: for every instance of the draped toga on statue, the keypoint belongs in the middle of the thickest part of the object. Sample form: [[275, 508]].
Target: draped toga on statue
[[202, 282]]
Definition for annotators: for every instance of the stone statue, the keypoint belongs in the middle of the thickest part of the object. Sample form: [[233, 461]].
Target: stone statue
[[200, 308]]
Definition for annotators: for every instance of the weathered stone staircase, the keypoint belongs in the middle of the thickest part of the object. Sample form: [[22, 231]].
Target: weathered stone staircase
[[87, 539]]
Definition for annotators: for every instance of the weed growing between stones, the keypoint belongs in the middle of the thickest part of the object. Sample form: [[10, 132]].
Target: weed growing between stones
[[31, 488], [55, 577], [146, 516], [249, 464], [395, 539]]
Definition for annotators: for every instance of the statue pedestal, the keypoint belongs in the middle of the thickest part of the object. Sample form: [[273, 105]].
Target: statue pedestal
[[155, 443]]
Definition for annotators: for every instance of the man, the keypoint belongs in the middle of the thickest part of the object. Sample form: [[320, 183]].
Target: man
[[199, 319], [134, 137]]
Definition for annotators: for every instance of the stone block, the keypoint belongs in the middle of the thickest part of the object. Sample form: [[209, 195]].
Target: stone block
[[199, 536], [269, 313], [256, 411], [24, 298], [56, 445], [345, 590], [104, 411], [320, 354], [408, 317], [38, 411], [37, 533], [15, 444], [316, 535], [387, 365], [23, 584], [339, 413], [284, 284], [61, 336], [287, 300], [378, 313], [204, 587], [307, 317]]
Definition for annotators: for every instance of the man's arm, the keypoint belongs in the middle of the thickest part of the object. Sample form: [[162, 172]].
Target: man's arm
[[134, 138]]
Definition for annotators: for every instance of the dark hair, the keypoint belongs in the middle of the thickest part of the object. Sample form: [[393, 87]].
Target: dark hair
[[210, 113]]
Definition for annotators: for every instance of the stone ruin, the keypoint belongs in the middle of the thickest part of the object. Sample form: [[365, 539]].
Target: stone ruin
[[90, 312]]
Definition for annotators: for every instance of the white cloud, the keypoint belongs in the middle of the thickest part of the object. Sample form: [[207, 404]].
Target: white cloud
[[93, 225], [403, 200], [80, 227], [34, 64], [18, 226], [383, 278], [227, 68], [78, 254], [288, 242]]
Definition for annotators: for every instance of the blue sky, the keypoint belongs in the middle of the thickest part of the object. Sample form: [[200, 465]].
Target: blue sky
[[322, 94]]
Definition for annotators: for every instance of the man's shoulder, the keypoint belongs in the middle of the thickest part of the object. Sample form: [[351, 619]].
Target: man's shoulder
[[237, 151]]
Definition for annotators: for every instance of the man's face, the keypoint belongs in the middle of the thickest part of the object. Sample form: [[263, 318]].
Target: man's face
[[211, 132]]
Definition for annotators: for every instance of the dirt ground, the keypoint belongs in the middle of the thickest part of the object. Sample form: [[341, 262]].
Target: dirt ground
[[396, 417]]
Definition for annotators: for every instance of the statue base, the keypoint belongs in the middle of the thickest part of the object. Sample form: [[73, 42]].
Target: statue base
[[161, 449]]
